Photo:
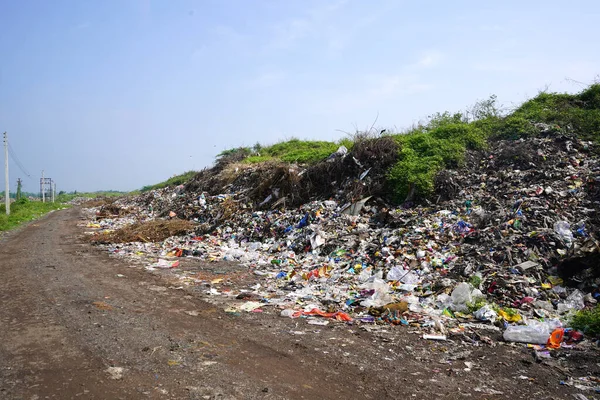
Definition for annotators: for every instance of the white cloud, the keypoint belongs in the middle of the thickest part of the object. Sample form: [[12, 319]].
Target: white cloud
[[384, 87], [266, 79], [496, 66], [378, 88], [372, 90], [429, 59], [227, 34], [492, 28], [220, 39], [314, 24], [287, 34]]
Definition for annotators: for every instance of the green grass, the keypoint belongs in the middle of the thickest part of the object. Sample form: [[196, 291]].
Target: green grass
[[23, 211], [427, 149], [173, 181], [297, 151], [66, 197], [587, 321], [291, 151], [578, 112]]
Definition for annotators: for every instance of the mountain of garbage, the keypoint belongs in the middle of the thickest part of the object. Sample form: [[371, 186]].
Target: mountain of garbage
[[479, 217]]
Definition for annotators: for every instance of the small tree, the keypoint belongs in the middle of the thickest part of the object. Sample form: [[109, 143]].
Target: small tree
[[484, 109], [18, 196]]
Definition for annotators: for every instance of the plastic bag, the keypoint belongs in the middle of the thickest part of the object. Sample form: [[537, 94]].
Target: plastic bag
[[563, 229], [575, 301], [461, 295], [534, 332], [486, 313], [395, 273]]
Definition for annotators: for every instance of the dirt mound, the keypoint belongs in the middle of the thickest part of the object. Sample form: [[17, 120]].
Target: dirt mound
[[149, 231], [111, 210], [344, 176]]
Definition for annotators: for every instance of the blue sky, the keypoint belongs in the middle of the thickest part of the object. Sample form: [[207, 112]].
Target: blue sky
[[119, 94]]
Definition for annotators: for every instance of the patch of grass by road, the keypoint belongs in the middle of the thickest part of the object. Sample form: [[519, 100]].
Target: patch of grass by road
[[24, 210]]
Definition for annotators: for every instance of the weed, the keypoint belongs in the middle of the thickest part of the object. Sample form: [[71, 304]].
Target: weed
[[24, 210], [173, 181], [475, 281], [63, 197], [579, 112], [426, 150], [476, 304], [296, 151], [587, 321], [231, 156]]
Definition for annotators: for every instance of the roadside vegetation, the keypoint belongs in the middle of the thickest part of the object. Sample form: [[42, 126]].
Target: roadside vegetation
[[29, 207], [24, 210]]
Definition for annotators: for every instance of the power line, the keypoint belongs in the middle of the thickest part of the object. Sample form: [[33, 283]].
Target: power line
[[18, 162]]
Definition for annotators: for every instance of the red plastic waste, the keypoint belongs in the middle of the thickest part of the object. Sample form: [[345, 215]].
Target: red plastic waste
[[556, 338], [339, 315]]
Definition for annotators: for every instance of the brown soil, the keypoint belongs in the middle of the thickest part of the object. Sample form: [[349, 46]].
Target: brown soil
[[70, 312], [149, 231]]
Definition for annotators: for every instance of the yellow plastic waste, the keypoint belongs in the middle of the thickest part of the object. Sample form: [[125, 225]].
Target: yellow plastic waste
[[509, 316]]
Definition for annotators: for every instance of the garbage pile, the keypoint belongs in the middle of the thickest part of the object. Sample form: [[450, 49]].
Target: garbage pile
[[345, 176], [509, 241]]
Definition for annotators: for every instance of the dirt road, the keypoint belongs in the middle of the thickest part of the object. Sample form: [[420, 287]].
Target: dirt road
[[78, 324]]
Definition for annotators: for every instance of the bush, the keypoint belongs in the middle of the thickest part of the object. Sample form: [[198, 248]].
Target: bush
[[515, 127], [577, 112], [426, 150], [587, 321], [591, 97]]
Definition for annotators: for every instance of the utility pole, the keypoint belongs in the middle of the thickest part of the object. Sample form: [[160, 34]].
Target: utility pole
[[7, 187], [43, 188], [53, 188], [19, 183]]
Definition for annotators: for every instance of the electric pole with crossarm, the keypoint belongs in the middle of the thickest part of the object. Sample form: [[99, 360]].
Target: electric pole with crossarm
[[7, 187]]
